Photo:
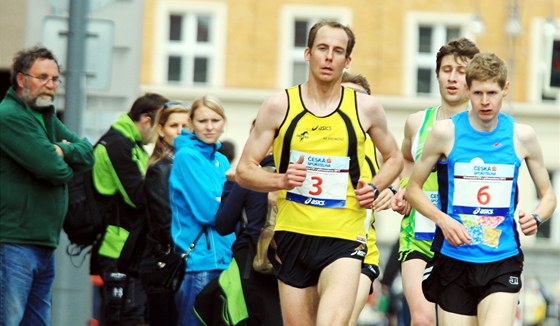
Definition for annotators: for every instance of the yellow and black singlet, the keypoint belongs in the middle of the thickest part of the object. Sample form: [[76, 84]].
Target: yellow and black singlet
[[333, 151]]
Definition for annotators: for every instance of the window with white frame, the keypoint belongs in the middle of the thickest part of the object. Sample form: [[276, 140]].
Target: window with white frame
[[300, 19], [190, 44], [426, 33]]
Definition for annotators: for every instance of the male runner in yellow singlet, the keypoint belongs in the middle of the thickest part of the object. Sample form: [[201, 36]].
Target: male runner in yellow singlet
[[318, 131]]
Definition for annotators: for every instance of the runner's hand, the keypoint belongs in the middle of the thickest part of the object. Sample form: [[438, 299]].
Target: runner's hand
[[454, 232], [383, 201], [527, 223], [295, 174], [364, 194], [399, 203]]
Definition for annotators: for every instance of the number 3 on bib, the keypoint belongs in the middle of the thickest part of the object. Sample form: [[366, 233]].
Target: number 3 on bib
[[326, 184]]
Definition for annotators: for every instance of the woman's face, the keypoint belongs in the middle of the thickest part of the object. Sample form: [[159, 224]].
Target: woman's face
[[207, 125], [172, 128]]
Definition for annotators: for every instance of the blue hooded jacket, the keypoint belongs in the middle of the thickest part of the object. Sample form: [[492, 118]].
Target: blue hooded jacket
[[195, 188]]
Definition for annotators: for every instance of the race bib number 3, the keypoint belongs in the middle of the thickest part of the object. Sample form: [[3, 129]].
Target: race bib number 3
[[326, 182]]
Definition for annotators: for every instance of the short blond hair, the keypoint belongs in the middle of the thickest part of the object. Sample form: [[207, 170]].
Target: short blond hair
[[486, 66]]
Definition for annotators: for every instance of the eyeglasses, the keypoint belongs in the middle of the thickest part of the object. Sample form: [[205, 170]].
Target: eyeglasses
[[44, 79]]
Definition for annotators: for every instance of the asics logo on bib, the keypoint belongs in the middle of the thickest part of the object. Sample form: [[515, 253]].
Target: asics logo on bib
[[483, 211], [316, 202]]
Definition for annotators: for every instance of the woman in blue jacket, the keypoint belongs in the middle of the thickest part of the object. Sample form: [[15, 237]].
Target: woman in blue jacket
[[195, 189]]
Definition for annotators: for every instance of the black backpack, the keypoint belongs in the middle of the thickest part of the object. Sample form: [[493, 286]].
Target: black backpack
[[84, 222]]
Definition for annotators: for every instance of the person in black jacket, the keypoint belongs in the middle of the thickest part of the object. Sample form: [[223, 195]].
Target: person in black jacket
[[260, 290], [118, 177], [169, 122]]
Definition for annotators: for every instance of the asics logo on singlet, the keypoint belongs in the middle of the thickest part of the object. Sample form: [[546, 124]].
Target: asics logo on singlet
[[321, 128], [483, 211], [303, 135], [316, 202]]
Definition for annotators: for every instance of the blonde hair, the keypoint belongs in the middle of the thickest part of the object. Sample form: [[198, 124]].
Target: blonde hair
[[486, 66], [162, 149], [210, 102]]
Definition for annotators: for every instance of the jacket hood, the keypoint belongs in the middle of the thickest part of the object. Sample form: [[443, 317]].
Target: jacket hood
[[189, 140], [127, 127]]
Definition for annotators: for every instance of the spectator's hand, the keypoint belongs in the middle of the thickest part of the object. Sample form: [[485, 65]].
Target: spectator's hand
[[364, 194], [454, 232], [295, 174], [527, 223], [383, 201], [399, 203], [58, 150]]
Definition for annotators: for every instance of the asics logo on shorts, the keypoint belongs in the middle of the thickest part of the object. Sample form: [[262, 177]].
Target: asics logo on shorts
[[359, 251], [427, 272], [371, 269]]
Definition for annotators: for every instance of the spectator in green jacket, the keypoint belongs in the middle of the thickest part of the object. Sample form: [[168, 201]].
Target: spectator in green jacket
[[38, 156], [118, 177]]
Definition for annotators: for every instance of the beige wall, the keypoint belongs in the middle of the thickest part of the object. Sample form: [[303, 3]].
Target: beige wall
[[12, 30], [252, 49]]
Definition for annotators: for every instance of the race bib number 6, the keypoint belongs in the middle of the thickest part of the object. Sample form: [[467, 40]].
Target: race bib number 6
[[482, 189]]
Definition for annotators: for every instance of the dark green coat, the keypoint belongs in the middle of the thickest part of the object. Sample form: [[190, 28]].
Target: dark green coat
[[33, 177]]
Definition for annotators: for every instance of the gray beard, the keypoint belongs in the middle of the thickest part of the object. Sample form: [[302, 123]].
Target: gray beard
[[40, 102], [43, 101]]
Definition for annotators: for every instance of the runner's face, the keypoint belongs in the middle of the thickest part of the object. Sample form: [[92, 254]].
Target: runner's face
[[451, 80], [486, 99], [327, 58]]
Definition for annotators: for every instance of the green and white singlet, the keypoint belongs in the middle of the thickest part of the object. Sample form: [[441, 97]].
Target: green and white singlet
[[417, 231]]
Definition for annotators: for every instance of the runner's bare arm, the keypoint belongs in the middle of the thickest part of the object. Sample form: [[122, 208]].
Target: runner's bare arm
[[248, 173], [399, 203], [528, 148], [374, 122], [438, 144]]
